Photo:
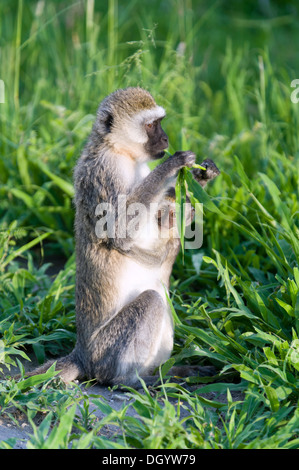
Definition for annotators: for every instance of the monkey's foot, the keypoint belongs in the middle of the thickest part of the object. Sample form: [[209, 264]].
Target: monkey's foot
[[189, 371]]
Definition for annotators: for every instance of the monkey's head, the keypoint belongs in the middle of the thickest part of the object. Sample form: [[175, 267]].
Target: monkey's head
[[130, 121]]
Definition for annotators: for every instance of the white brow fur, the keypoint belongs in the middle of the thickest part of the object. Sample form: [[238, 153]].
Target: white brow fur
[[135, 130]]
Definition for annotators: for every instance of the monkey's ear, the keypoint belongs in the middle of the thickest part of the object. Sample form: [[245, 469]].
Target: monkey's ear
[[108, 121], [104, 122]]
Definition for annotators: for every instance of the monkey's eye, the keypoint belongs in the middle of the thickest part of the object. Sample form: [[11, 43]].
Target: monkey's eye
[[150, 126]]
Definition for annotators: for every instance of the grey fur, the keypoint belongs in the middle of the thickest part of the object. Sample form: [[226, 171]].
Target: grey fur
[[117, 337]]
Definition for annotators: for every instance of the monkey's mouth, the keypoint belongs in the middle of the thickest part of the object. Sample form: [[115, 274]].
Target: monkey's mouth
[[158, 155]]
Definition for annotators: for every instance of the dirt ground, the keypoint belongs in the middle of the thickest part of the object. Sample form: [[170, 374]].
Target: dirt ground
[[21, 430]]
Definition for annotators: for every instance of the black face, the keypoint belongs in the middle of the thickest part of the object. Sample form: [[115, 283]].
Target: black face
[[157, 139]]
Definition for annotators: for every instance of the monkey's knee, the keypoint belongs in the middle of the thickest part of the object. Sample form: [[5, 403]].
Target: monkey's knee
[[153, 342], [152, 315], [150, 301], [137, 339], [151, 339]]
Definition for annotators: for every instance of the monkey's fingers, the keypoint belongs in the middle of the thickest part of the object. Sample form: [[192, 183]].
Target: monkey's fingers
[[184, 159]]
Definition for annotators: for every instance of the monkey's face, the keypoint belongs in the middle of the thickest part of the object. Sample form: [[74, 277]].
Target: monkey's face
[[129, 121], [157, 139]]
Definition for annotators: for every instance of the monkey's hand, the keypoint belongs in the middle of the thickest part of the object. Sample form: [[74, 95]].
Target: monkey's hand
[[183, 159], [204, 176], [153, 185]]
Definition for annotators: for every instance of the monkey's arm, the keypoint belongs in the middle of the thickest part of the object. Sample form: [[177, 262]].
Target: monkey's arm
[[156, 182], [204, 176], [150, 190]]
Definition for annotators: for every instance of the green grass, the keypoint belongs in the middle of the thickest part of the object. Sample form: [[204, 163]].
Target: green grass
[[223, 73]]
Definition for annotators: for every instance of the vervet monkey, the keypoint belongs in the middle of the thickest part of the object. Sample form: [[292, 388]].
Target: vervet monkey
[[124, 323]]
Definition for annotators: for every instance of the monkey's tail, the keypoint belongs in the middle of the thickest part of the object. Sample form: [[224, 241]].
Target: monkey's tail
[[68, 367]]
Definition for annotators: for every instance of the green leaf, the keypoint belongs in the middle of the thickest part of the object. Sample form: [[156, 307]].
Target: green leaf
[[195, 165], [288, 308], [241, 173], [270, 356], [247, 373], [200, 194], [175, 317], [26, 247], [58, 438], [276, 197], [273, 399], [167, 366], [23, 165], [37, 379], [61, 183]]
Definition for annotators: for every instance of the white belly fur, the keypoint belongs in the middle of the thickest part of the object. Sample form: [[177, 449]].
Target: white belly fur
[[135, 279]]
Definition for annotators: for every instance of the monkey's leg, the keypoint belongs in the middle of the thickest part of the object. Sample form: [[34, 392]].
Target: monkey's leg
[[138, 339], [182, 372], [192, 370]]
